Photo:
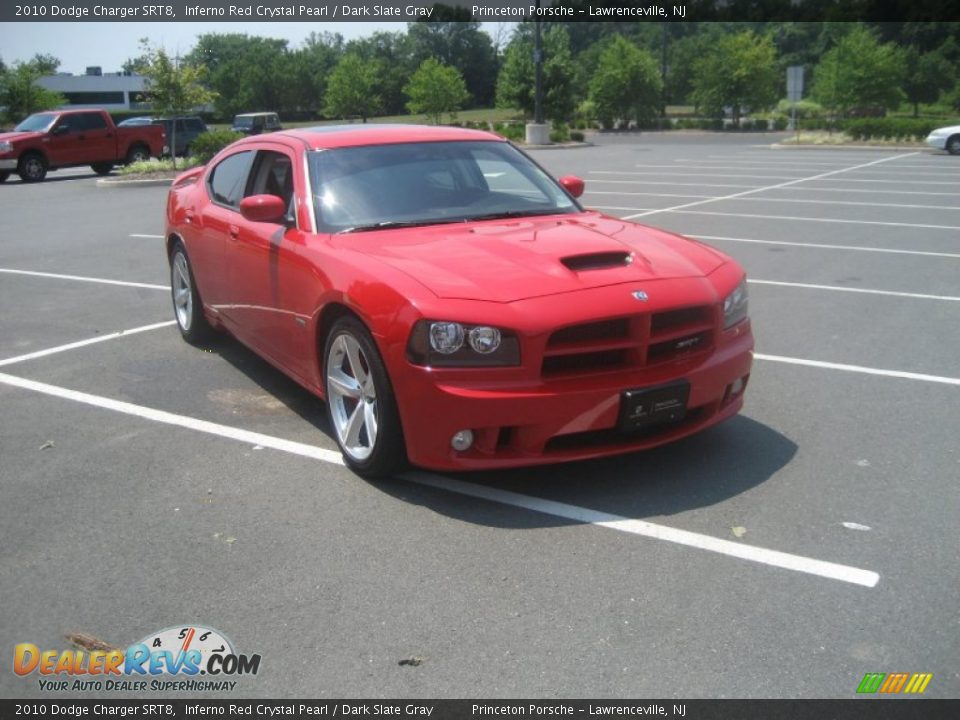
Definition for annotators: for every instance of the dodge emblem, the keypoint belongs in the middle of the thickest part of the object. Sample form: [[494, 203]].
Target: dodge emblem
[[640, 295]]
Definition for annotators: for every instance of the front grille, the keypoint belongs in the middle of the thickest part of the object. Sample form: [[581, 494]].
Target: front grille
[[628, 342]]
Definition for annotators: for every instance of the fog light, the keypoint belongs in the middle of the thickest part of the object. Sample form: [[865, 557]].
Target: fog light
[[737, 387], [462, 440]]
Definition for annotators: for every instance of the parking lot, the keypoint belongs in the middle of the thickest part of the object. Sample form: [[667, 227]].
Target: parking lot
[[785, 553]]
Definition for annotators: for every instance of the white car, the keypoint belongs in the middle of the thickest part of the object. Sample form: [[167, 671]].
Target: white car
[[945, 138]]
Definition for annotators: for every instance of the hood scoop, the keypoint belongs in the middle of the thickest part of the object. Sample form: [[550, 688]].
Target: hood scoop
[[597, 261]]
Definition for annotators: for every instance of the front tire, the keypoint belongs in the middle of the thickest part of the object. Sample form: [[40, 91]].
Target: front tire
[[3, 176], [187, 306], [360, 403], [953, 145], [32, 167]]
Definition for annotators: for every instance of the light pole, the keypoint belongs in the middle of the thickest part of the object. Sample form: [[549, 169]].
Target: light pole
[[537, 132]]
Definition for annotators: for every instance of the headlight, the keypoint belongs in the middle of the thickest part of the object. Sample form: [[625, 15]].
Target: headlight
[[6, 147], [735, 305], [443, 343]]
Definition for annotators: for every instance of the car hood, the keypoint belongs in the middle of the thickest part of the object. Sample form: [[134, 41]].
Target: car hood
[[504, 261], [13, 136]]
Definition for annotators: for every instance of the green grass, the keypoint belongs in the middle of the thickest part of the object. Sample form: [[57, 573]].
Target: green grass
[[154, 166]]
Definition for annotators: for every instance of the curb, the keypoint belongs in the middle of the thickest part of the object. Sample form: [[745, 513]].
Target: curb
[[147, 182]]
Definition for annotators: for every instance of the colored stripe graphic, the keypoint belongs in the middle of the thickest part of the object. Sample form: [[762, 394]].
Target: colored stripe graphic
[[893, 683]]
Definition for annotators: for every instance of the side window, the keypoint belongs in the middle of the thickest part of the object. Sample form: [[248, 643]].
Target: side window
[[273, 175], [229, 178], [194, 125], [68, 123], [92, 121]]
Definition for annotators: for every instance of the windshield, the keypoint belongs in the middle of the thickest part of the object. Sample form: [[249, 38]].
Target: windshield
[[378, 186], [37, 123]]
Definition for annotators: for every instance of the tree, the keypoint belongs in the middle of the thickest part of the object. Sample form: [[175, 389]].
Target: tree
[[626, 85], [516, 80], [243, 71], [739, 71], [926, 76], [19, 93], [175, 89], [434, 89], [392, 51], [353, 88], [859, 72], [462, 45]]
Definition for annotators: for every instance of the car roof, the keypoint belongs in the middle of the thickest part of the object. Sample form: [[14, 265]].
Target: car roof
[[253, 114], [339, 136]]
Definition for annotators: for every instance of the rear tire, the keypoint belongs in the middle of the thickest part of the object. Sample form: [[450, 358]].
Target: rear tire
[[3, 176], [187, 306], [361, 405], [32, 167], [102, 168], [138, 153]]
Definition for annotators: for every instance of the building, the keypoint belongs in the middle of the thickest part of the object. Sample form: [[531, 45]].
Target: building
[[110, 91]]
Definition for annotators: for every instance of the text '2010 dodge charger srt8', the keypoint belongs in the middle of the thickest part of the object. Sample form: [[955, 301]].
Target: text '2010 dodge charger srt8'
[[452, 303]]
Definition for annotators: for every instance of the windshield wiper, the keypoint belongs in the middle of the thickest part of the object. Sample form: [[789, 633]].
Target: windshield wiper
[[506, 214], [385, 224]]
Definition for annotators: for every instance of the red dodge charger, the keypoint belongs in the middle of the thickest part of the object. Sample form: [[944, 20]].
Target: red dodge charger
[[454, 305]]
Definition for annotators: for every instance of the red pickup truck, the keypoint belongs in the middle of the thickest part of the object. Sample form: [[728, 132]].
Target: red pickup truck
[[67, 138]]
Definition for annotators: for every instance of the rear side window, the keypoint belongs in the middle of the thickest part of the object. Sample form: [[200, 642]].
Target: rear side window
[[229, 178], [195, 124], [91, 121]]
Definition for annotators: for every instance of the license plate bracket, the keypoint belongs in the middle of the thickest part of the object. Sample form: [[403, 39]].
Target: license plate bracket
[[643, 408]]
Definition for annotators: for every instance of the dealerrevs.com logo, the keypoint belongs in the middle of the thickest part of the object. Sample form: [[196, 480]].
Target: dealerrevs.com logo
[[182, 658]]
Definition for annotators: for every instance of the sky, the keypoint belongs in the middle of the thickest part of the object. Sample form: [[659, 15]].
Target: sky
[[108, 45]]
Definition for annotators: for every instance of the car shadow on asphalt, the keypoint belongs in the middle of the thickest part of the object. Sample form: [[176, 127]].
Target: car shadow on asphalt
[[699, 471], [273, 382]]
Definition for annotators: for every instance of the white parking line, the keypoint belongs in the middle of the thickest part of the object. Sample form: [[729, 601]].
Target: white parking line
[[151, 237], [778, 185], [841, 288], [782, 200], [80, 278], [660, 183], [822, 246], [682, 211], [161, 416], [858, 369], [792, 188], [84, 343], [797, 563]]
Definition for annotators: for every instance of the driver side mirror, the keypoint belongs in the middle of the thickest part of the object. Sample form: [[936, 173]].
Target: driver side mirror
[[572, 184], [60, 130], [264, 208]]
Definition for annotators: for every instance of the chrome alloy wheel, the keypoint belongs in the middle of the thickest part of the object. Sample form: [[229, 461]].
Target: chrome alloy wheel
[[352, 396], [182, 292]]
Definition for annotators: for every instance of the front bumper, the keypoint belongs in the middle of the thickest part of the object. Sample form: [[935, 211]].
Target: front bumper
[[571, 419], [938, 142], [8, 164]]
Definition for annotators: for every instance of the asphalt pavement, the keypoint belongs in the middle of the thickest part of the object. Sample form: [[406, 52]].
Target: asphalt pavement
[[784, 554]]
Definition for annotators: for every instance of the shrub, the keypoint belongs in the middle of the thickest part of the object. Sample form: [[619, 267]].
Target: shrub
[[208, 144], [514, 132], [890, 128], [576, 136]]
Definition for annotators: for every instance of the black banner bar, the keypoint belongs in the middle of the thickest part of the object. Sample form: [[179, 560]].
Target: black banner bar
[[270, 11], [858, 709]]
